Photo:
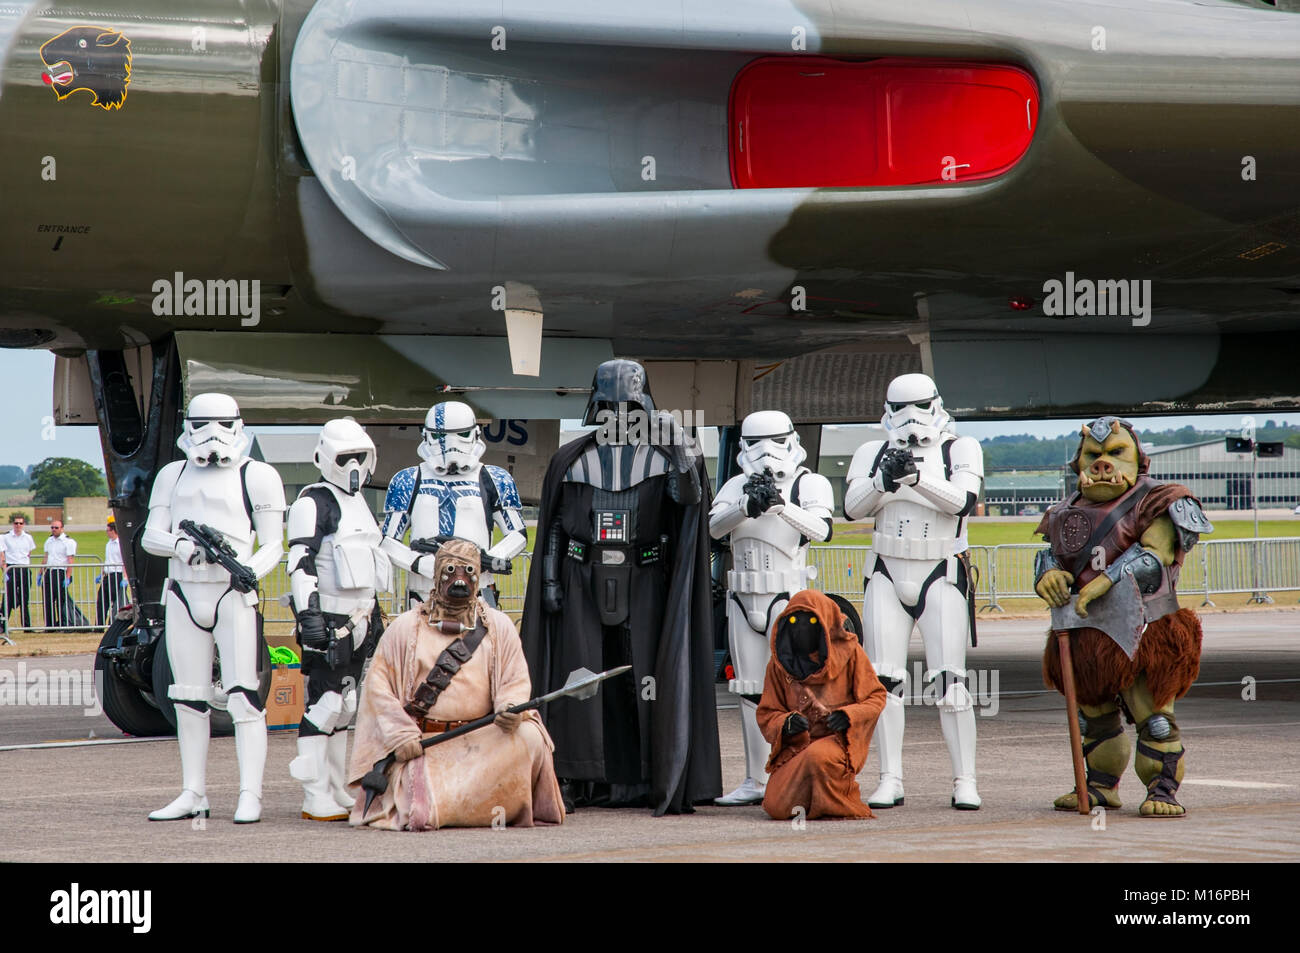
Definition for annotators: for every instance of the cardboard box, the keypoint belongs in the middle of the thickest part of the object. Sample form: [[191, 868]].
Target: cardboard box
[[285, 701]]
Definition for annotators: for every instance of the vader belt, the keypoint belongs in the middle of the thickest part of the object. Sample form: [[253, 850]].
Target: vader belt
[[451, 661]]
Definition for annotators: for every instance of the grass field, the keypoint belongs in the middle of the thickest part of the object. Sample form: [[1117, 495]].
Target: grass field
[[998, 533]]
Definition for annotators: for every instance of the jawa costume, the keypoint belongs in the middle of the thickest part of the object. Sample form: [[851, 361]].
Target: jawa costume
[[1116, 548], [620, 575], [821, 699], [451, 660]]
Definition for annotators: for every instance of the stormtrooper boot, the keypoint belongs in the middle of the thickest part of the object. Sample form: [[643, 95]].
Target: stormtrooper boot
[[192, 734], [312, 768], [889, 742], [957, 721], [250, 748], [338, 769], [757, 751]]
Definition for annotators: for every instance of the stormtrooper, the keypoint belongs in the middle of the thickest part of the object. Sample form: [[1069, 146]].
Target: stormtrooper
[[451, 494], [210, 597], [336, 565], [771, 510], [919, 484]]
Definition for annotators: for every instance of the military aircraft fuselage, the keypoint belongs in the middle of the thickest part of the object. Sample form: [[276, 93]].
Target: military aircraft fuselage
[[388, 168]]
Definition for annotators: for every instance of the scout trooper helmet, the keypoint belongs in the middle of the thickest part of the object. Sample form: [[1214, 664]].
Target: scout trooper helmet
[[768, 442], [345, 454], [453, 441], [213, 432], [914, 411]]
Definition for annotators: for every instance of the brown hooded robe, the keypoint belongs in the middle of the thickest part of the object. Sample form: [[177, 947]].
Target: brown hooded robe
[[817, 769]]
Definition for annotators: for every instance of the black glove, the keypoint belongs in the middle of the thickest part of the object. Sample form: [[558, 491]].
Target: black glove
[[760, 496], [311, 625], [894, 465], [495, 564], [794, 725], [552, 596], [837, 721]]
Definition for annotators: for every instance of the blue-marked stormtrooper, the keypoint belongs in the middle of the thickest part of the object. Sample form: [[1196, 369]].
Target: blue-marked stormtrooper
[[771, 510], [215, 486], [336, 565], [919, 484], [451, 494]]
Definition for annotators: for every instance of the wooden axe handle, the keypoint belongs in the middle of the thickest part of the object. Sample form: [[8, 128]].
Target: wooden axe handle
[[1072, 712]]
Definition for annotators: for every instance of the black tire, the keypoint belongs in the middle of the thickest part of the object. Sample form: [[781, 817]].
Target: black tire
[[133, 711], [220, 723], [852, 620]]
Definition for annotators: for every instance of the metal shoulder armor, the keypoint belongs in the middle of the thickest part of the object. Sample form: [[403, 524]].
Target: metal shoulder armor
[[1189, 520]]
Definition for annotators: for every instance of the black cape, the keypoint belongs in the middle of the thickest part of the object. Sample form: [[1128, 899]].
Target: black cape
[[685, 762]]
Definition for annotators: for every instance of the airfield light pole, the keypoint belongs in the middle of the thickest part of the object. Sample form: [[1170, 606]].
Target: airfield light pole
[[1247, 443]]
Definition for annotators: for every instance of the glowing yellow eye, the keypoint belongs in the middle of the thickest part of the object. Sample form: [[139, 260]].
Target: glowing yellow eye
[[813, 620], [792, 619]]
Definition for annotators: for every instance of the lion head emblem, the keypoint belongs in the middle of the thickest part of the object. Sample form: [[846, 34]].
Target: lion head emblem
[[90, 58]]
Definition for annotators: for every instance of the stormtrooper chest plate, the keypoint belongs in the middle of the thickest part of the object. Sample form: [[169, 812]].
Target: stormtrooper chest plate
[[214, 496], [908, 526], [450, 506], [767, 555]]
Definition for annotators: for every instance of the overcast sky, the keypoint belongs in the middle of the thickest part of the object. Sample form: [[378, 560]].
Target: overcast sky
[[27, 383]]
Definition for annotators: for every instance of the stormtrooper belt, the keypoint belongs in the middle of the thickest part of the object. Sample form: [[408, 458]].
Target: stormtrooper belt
[[607, 555]]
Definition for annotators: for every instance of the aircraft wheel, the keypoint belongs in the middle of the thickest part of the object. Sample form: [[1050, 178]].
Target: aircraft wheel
[[852, 619], [132, 710]]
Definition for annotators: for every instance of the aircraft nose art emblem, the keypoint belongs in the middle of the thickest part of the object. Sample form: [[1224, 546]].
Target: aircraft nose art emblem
[[91, 58]]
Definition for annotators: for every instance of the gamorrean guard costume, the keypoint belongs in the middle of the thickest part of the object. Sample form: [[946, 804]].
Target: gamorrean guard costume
[[1110, 575]]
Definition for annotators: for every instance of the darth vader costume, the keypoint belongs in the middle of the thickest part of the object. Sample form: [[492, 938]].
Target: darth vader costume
[[620, 575]]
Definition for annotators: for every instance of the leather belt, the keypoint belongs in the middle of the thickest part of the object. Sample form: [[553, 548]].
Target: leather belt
[[432, 726]]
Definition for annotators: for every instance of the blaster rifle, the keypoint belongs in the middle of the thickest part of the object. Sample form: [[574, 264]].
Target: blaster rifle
[[217, 550]]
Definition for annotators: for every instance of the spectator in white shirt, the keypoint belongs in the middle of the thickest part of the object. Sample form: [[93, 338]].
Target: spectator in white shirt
[[113, 581], [60, 551], [15, 561]]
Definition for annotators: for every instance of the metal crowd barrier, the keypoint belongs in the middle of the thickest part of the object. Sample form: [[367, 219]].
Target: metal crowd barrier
[[1214, 567], [72, 607]]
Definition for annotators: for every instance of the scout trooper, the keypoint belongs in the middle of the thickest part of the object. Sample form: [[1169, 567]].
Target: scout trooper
[[335, 567], [772, 509], [216, 486], [452, 494], [919, 484]]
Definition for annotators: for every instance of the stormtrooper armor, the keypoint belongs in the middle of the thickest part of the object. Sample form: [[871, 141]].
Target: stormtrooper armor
[[218, 486], [771, 511], [336, 565], [919, 484], [452, 494]]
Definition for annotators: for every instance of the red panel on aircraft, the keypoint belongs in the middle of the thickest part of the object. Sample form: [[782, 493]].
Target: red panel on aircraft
[[799, 122]]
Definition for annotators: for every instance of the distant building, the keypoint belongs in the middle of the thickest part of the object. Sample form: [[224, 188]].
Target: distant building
[[1022, 493], [1222, 480]]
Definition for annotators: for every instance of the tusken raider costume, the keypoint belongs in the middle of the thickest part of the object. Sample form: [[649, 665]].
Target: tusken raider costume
[[620, 575]]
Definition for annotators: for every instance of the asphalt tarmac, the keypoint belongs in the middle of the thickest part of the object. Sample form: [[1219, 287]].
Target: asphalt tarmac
[[87, 801]]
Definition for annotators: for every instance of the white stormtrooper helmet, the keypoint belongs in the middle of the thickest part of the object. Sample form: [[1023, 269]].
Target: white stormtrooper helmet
[[452, 440], [914, 411], [213, 432], [345, 454], [768, 442]]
